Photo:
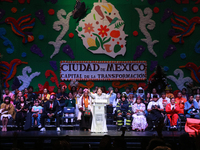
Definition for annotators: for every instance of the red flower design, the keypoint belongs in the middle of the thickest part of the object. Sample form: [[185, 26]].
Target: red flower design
[[103, 30], [88, 28]]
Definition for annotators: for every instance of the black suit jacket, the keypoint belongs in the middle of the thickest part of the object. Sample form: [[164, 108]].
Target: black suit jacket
[[54, 110]]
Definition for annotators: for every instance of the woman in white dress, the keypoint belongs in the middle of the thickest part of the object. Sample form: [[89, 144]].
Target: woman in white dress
[[139, 120], [99, 114]]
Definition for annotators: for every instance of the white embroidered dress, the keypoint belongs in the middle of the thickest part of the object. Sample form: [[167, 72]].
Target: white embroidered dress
[[99, 114], [139, 119]]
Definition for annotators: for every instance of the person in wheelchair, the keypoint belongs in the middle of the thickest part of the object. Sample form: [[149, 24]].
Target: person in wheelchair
[[191, 108], [69, 103], [155, 109], [172, 110], [50, 110], [124, 109]]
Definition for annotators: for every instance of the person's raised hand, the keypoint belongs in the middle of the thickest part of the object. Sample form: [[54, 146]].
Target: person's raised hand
[[111, 91]]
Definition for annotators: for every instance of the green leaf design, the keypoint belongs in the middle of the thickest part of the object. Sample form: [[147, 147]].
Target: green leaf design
[[80, 29], [105, 12], [117, 48], [104, 38], [94, 17], [101, 41], [106, 41], [118, 25], [97, 42], [83, 20], [113, 21], [93, 48], [82, 35]]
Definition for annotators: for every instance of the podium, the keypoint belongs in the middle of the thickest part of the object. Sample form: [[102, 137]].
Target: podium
[[100, 119]]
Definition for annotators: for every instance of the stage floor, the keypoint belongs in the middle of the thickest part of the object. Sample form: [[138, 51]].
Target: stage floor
[[77, 138], [77, 133]]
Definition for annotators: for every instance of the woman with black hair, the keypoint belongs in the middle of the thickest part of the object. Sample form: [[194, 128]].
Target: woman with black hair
[[116, 90], [22, 109], [73, 90], [7, 111]]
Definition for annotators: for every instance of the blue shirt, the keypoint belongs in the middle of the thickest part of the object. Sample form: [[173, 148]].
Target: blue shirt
[[112, 98], [37, 108], [188, 105]]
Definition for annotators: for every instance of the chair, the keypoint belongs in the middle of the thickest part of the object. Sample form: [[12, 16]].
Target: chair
[[68, 110]]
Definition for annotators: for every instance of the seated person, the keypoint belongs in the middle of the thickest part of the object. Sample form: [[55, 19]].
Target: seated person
[[37, 111], [140, 93], [197, 92], [8, 94], [124, 109], [45, 95], [197, 99], [172, 110], [6, 112], [155, 109], [40, 101], [61, 97], [17, 99], [164, 100], [31, 97], [168, 93], [181, 102], [70, 102], [117, 99], [184, 93], [191, 108], [127, 92], [147, 99], [22, 109], [139, 120], [131, 99], [154, 92], [51, 108]]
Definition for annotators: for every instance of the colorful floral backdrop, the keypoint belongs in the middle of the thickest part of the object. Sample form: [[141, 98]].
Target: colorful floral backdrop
[[35, 35]]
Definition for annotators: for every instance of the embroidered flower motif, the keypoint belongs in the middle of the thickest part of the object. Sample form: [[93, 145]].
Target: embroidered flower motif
[[88, 28], [103, 30]]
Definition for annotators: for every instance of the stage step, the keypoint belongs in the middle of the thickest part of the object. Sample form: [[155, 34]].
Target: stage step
[[53, 127]]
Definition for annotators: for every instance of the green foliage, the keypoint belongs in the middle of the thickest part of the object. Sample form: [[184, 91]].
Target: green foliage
[[118, 25]]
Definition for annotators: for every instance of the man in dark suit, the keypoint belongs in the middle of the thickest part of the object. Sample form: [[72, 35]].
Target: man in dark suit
[[50, 110]]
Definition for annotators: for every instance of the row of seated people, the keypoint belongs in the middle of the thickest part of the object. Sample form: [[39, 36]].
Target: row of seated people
[[124, 108], [157, 108]]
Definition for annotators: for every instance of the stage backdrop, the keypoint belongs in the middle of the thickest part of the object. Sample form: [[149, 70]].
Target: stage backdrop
[[37, 36]]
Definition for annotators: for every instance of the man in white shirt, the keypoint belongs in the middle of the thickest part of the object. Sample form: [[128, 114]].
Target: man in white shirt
[[154, 108], [197, 99], [164, 100]]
